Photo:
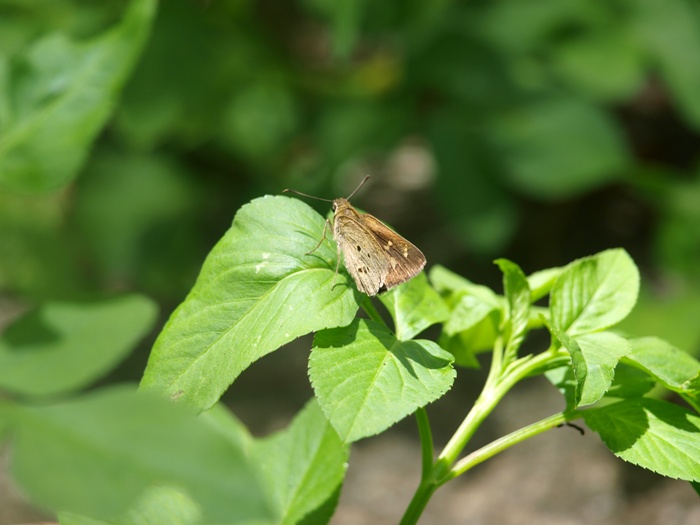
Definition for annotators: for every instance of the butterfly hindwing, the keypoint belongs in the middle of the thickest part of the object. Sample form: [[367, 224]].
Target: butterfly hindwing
[[364, 259]]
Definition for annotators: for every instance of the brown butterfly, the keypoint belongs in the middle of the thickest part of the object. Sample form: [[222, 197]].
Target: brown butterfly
[[377, 257]]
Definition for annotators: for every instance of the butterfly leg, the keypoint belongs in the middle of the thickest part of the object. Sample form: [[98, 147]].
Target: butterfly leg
[[323, 238], [337, 265]]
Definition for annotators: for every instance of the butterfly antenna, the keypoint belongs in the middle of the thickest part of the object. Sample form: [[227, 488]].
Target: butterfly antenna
[[305, 195], [358, 187]]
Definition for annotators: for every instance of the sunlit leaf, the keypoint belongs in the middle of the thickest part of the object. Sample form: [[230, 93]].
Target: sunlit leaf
[[594, 293], [414, 306], [654, 434], [258, 289], [366, 380]]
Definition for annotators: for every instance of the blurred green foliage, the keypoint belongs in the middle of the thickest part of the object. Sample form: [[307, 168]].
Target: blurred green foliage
[[538, 129]]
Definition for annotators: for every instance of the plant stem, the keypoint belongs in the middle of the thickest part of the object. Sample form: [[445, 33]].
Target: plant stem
[[500, 380], [501, 444], [418, 503], [426, 442], [497, 385]]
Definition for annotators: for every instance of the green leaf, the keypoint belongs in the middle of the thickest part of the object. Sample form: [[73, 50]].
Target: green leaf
[[669, 29], [300, 470], [303, 468], [541, 282], [471, 304], [124, 205], [468, 313], [629, 382], [447, 282], [607, 63], [600, 352], [693, 383], [669, 312], [158, 505], [258, 289], [653, 434], [62, 347], [540, 144], [518, 297], [97, 454], [668, 365], [593, 357], [594, 293], [564, 380], [366, 380], [58, 98], [414, 306]]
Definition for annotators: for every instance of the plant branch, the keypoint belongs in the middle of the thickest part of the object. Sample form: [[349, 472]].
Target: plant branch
[[501, 444], [497, 386], [426, 442]]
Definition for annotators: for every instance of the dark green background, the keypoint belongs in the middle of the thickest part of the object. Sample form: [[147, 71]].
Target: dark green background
[[536, 130]]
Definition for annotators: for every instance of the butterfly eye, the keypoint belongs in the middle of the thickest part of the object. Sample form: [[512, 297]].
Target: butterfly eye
[[334, 207]]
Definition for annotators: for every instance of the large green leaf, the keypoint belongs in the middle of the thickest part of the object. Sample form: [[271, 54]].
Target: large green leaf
[[414, 306], [549, 157], [96, 455], [672, 367], [653, 434], [258, 289], [62, 347], [159, 505], [303, 468], [594, 293], [58, 96], [132, 458], [365, 379]]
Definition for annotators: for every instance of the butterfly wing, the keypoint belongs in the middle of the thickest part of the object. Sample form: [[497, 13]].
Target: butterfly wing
[[405, 261], [364, 258]]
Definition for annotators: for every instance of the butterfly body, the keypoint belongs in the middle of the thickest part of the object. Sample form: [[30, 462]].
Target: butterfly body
[[376, 257]]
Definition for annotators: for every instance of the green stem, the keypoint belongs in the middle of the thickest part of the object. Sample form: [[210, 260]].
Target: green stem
[[495, 388], [501, 444], [418, 503], [426, 442], [499, 381]]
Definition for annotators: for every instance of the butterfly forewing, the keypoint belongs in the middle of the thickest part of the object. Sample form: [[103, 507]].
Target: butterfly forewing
[[405, 261], [362, 253]]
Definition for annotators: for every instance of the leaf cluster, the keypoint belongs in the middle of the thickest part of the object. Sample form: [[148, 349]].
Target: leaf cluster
[[122, 456]]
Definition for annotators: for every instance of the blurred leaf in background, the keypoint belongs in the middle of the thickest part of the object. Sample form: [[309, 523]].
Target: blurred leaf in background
[[537, 130]]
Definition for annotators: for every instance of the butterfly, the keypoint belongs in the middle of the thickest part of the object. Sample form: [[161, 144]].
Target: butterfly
[[376, 257]]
